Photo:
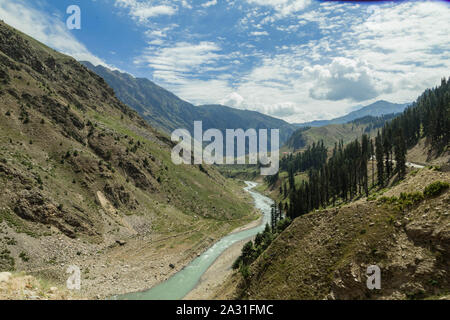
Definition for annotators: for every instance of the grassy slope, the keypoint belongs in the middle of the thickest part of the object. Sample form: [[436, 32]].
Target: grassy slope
[[325, 254], [51, 105], [330, 135]]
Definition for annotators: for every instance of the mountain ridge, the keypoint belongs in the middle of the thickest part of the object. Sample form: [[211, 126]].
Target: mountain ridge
[[378, 108], [168, 112]]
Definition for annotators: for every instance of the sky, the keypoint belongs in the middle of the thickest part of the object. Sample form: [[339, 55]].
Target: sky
[[298, 60]]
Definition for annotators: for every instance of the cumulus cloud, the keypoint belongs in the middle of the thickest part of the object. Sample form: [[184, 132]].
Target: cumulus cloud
[[46, 28], [346, 79], [234, 99]]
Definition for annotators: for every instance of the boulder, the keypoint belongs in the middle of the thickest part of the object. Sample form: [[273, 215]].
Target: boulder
[[5, 276]]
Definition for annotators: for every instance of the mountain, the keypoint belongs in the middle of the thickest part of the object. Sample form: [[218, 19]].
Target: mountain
[[223, 117], [86, 181], [163, 110], [375, 109], [331, 134]]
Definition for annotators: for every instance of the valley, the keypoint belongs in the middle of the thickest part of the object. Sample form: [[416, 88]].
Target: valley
[[88, 182]]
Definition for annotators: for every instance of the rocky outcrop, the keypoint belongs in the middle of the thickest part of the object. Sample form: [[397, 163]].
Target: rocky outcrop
[[118, 196], [31, 205]]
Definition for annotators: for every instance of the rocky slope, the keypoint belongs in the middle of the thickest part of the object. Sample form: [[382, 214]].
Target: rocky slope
[[19, 286], [325, 254], [86, 181]]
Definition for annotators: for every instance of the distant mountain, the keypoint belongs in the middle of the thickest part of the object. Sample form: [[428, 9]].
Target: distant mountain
[[223, 117], [375, 109], [333, 133], [161, 108], [166, 111]]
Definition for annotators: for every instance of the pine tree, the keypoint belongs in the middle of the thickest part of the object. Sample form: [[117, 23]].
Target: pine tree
[[379, 157], [400, 155], [372, 158]]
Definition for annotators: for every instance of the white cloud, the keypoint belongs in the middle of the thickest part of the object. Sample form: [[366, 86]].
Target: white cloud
[[209, 4], [143, 10], [283, 7], [45, 28], [390, 51], [346, 79], [407, 44], [259, 33], [182, 58], [186, 4]]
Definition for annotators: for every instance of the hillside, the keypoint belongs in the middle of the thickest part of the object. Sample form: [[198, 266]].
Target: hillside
[[325, 254], [365, 205], [163, 110], [333, 133], [376, 109], [86, 181]]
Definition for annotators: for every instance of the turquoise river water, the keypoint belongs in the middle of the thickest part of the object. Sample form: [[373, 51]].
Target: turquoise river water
[[181, 283]]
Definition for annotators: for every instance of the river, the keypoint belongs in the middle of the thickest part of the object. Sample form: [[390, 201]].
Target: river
[[181, 283]]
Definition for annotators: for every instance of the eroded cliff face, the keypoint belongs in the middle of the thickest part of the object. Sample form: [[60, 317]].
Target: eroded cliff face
[[325, 254], [80, 172]]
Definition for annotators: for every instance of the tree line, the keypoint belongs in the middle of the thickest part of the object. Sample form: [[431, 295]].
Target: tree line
[[313, 157], [345, 175]]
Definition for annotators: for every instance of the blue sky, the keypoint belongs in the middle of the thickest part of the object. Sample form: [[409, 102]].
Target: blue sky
[[298, 60]]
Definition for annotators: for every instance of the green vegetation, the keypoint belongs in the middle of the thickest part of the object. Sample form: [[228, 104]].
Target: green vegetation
[[408, 200], [405, 201], [253, 249], [435, 189], [24, 256], [7, 262]]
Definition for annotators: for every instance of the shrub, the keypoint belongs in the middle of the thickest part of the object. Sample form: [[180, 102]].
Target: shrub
[[406, 200], [414, 197], [436, 188], [245, 271], [283, 224], [23, 255], [237, 263]]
